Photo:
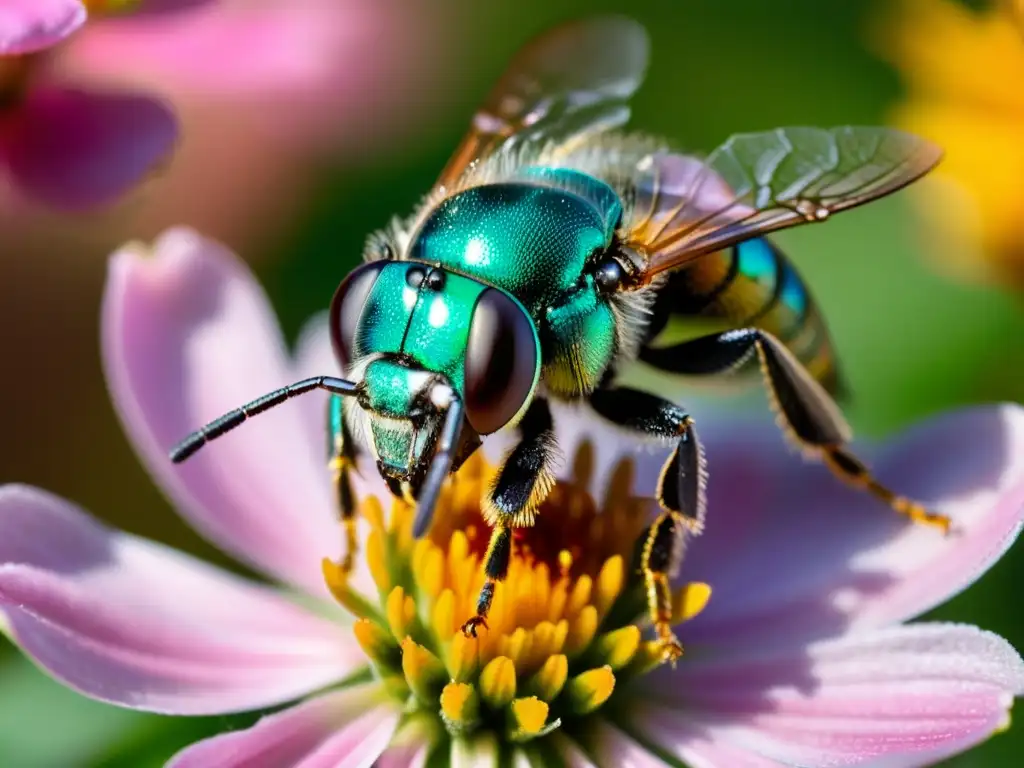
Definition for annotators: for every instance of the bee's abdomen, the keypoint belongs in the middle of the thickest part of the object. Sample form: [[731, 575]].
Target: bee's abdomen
[[751, 284]]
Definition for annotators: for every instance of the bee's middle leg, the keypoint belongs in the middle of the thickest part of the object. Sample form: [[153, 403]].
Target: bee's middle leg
[[522, 483], [341, 464], [680, 493], [681, 487]]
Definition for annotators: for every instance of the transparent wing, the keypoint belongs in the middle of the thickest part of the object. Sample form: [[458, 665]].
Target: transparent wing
[[574, 80], [755, 183]]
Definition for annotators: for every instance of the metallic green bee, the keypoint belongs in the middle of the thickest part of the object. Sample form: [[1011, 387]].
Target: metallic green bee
[[554, 251]]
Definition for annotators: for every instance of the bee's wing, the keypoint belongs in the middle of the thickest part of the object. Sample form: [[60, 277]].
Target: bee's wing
[[755, 183], [572, 81]]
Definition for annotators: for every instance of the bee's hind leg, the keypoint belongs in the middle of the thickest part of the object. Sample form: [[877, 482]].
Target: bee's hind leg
[[522, 483], [809, 415], [680, 493], [341, 464]]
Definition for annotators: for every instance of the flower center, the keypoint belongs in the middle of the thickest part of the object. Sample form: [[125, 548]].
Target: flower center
[[562, 630]]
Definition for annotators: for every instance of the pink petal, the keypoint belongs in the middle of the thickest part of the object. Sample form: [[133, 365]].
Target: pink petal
[[572, 755], [151, 7], [315, 357], [187, 336], [792, 554], [131, 622], [613, 747], [345, 729], [309, 67], [909, 695], [404, 756], [32, 25], [76, 149], [700, 751]]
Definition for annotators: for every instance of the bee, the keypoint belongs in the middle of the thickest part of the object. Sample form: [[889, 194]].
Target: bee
[[554, 251]]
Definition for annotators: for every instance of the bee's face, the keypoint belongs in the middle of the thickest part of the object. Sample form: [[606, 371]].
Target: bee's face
[[408, 332]]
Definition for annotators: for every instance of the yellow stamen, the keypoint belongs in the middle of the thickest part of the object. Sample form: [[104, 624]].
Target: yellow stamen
[[549, 680], [609, 584], [376, 643], [401, 613], [376, 561], [430, 573], [689, 601], [442, 618], [582, 631], [589, 690], [648, 657], [617, 649], [337, 582], [529, 715], [462, 657], [498, 682], [459, 705], [424, 673]]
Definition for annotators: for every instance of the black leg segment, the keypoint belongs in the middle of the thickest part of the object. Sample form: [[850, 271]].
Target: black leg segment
[[683, 479], [342, 463], [809, 414], [522, 483]]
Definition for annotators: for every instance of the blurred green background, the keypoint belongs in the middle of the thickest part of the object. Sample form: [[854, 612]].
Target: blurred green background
[[913, 342]]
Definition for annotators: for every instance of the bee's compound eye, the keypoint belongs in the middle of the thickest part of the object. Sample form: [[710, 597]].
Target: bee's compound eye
[[609, 275], [501, 361], [347, 306]]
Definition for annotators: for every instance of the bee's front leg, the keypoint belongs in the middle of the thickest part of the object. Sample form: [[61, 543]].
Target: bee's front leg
[[680, 493], [341, 464], [522, 483]]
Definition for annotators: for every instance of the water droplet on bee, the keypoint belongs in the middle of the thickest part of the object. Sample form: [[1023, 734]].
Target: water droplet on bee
[[821, 213], [807, 209]]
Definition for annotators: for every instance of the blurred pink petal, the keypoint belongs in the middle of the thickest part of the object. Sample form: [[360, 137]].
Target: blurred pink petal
[[188, 335], [315, 68], [134, 623], [572, 755], [27, 26], [76, 149], [701, 751], [792, 565], [404, 756], [151, 7], [910, 694], [345, 729], [315, 357], [613, 747]]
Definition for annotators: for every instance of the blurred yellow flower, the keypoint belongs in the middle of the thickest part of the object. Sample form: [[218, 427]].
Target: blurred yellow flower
[[964, 75]]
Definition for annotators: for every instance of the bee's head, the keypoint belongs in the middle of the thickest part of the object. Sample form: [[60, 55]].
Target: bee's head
[[414, 336]]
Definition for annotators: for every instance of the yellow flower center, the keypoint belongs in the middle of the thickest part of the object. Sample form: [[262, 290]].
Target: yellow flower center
[[561, 633]]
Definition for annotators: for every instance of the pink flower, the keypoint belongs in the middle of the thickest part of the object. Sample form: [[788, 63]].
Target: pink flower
[[800, 657], [64, 145], [314, 72]]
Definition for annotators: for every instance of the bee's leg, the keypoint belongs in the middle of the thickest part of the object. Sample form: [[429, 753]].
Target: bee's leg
[[680, 493], [809, 414], [661, 551], [341, 464], [681, 486], [522, 483]]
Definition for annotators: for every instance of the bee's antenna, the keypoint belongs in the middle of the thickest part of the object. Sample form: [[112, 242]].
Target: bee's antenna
[[230, 420], [441, 463]]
